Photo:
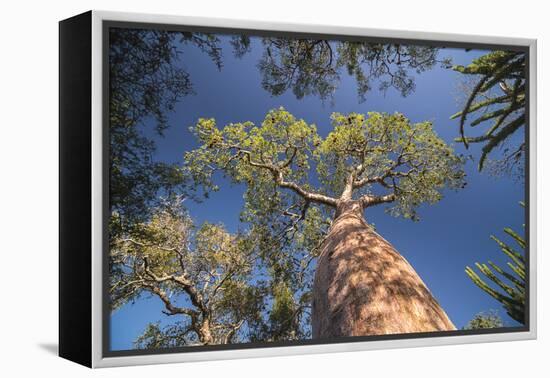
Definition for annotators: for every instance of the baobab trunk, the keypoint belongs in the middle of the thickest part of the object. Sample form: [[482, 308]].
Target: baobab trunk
[[363, 286]]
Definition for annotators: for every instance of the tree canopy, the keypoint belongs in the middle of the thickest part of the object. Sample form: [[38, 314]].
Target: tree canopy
[[145, 82], [498, 101], [314, 67], [147, 78], [379, 158]]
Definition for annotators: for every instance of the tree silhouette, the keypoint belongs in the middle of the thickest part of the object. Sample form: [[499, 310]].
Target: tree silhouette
[[314, 67], [145, 82]]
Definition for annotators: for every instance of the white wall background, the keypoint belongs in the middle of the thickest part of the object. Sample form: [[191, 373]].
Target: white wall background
[[28, 189]]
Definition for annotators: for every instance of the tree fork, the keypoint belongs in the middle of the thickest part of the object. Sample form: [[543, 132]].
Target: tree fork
[[363, 286]]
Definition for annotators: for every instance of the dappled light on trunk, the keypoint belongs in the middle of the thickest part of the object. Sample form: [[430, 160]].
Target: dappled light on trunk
[[363, 286]]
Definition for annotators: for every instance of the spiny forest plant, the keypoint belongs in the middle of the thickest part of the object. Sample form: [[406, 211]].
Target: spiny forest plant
[[497, 100], [511, 284], [290, 171]]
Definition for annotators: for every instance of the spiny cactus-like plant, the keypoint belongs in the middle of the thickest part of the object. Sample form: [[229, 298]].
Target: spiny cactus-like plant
[[511, 292], [497, 99]]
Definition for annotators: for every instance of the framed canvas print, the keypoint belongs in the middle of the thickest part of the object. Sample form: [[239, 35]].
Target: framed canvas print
[[235, 189]]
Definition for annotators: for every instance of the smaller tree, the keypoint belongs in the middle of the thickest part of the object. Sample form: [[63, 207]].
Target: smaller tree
[[512, 293], [201, 275], [498, 99], [484, 320]]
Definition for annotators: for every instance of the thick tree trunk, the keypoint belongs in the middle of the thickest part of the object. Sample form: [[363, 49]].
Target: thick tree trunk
[[363, 286]]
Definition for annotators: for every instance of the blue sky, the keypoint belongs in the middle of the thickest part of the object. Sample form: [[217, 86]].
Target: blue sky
[[450, 234]]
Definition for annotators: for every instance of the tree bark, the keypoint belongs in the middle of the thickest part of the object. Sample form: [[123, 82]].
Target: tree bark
[[205, 334], [363, 286]]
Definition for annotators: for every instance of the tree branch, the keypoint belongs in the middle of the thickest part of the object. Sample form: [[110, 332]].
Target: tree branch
[[368, 200], [229, 335], [188, 287], [310, 196], [280, 180], [170, 308]]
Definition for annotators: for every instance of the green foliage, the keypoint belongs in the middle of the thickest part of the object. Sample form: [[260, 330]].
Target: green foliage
[[406, 159], [216, 283], [304, 66], [254, 285], [202, 274], [381, 152], [314, 67], [498, 101], [146, 80], [390, 64], [285, 315], [485, 320], [241, 45], [156, 337], [277, 216], [280, 136], [510, 291]]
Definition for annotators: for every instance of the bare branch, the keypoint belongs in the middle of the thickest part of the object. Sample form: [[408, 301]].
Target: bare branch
[[310, 196], [188, 287], [229, 335], [368, 200], [170, 308]]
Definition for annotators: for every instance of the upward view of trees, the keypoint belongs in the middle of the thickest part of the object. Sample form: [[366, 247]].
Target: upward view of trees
[[363, 162], [304, 262], [147, 79]]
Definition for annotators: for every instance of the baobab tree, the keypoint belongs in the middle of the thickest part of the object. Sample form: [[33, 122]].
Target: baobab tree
[[362, 285]]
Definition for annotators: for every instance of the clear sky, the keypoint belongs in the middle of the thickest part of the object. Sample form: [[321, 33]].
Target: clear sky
[[450, 234]]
